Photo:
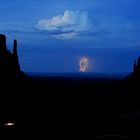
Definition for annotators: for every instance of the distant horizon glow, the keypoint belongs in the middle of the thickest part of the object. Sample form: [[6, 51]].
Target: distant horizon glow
[[9, 124]]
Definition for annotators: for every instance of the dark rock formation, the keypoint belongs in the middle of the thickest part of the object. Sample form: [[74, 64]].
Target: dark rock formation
[[136, 69], [9, 64], [135, 75]]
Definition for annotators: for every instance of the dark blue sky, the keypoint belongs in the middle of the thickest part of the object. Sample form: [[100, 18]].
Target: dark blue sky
[[53, 35]]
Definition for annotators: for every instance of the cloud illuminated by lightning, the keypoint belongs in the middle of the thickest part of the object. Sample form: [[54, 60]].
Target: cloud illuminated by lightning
[[68, 25]]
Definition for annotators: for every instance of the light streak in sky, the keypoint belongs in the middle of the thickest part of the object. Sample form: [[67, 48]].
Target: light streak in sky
[[9, 124]]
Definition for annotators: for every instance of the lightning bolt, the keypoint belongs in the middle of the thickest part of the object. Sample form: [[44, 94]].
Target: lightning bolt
[[83, 64]]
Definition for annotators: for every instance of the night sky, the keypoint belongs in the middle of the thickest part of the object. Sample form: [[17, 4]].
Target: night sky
[[53, 35]]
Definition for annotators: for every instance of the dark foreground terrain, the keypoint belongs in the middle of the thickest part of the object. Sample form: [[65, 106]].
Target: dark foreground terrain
[[66, 107], [71, 108]]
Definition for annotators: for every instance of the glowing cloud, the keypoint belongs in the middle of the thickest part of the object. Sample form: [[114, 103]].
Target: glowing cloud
[[69, 24], [83, 64], [70, 20]]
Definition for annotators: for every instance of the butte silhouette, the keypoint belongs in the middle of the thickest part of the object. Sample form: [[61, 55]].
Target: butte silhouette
[[9, 63]]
